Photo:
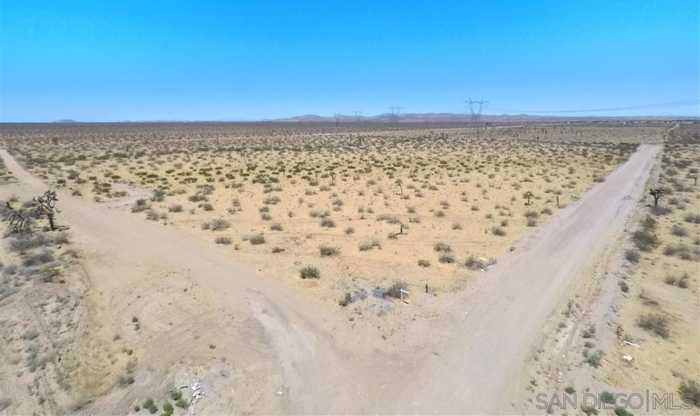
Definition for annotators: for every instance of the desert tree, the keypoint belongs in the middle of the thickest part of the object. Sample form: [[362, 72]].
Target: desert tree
[[657, 194], [46, 206], [399, 183]]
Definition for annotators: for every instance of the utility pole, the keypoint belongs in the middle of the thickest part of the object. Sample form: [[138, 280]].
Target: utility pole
[[475, 108]]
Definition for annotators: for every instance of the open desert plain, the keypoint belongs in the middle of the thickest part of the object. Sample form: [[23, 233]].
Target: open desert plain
[[310, 268]]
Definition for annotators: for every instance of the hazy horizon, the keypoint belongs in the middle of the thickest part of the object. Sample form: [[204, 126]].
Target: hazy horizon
[[247, 62], [377, 118]]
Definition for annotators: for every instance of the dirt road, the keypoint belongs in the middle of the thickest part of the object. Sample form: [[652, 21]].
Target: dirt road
[[480, 350], [181, 288], [462, 362]]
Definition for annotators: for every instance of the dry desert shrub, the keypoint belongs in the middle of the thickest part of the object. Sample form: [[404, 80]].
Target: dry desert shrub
[[654, 323], [310, 272]]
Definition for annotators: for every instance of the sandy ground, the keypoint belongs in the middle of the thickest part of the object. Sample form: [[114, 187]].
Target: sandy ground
[[379, 202], [262, 348]]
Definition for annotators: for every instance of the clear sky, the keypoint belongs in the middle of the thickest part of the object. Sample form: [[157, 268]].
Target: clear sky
[[206, 60]]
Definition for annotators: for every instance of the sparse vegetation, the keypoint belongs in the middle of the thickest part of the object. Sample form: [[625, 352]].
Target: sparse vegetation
[[310, 272], [328, 251], [690, 392], [396, 290], [654, 323], [632, 256]]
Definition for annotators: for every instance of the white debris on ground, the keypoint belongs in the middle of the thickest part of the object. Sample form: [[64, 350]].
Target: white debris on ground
[[197, 395]]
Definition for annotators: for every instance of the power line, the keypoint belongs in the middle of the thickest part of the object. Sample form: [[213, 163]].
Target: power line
[[608, 109]]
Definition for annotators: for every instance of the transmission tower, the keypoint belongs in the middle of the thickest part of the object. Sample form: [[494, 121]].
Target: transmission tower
[[358, 115], [394, 112], [475, 108]]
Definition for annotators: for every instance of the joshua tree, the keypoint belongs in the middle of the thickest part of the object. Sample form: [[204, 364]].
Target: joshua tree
[[399, 183], [657, 193], [46, 205]]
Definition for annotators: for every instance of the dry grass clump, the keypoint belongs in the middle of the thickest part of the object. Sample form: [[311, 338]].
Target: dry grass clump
[[256, 239], [681, 282], [328, 251], [654, 323], [645, 239], [475, 263], [423, 263], [447, 258], [682, 251], [679, 231], [692, 218], [218, 224], [632, 256], [442, 247], [395, 290], [327, 222], [140, 205], [369, 245], [310, 272], [499, 231]]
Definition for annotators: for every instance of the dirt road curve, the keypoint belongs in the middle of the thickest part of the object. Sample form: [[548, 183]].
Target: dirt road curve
[[462, 362], [248, 317]]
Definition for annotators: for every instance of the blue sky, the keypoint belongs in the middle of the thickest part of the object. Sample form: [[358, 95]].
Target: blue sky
[[206, 60]]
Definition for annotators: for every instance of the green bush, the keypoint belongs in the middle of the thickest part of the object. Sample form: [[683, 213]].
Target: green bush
[[150, 406], [168, 409], [621, 411], [593, 358], [607, 397]]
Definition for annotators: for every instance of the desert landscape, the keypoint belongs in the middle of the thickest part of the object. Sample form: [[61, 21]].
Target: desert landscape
[[235, 268], [356, 208]]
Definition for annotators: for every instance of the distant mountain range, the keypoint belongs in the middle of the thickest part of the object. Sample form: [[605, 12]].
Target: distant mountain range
[[414, 118], [456, 118]]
